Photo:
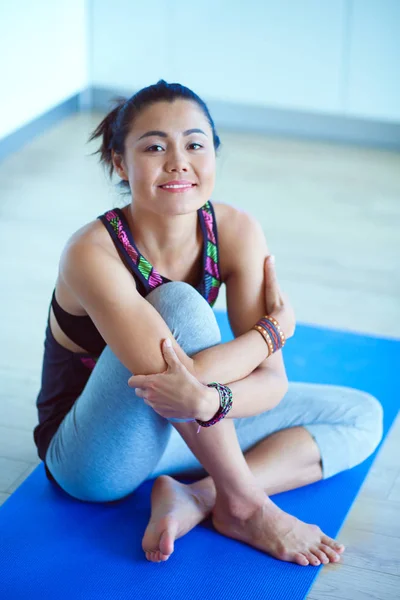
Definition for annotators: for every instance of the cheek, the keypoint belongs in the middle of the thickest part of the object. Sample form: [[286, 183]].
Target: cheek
[[144, 172], [208, 169]]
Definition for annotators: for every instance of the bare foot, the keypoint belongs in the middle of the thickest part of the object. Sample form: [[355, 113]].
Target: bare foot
[[277, 533], [175, 509]]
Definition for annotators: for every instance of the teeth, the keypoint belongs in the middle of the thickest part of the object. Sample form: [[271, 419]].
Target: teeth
[[176, 186]]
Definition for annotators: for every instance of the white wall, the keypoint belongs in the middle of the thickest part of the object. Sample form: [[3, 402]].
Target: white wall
[[334, 56], [259, 52], [324, 56], [130, 43], [43, 57], [374, 65]]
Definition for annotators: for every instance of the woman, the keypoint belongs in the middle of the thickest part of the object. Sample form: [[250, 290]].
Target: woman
[[135, 279]]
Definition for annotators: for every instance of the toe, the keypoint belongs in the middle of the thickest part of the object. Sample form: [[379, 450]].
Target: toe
[[312, 559], [167, 542], [300, 559], [332, 543], [163, 557], [320, 555], [330, 553]]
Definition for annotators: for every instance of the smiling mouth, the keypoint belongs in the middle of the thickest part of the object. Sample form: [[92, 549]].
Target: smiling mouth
[[178, 187]]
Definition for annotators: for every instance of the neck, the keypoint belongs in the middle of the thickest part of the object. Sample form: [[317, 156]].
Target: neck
[[162, 238]]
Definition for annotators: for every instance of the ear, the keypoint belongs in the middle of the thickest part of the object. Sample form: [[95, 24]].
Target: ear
[[119, 165]]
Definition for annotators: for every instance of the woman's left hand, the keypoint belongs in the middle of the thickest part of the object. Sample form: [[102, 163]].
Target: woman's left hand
[[173, 394]]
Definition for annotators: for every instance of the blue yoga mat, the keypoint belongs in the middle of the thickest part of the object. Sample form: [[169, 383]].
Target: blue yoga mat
[[52, 546]]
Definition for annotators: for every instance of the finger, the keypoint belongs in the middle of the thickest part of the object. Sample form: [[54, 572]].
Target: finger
[[138, 381], [169, 354], [272, 289], [270, 269], [140, 392]]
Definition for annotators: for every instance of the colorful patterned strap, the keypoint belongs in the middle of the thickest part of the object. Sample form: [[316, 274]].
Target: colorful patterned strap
[[116, 224], [212, 277]]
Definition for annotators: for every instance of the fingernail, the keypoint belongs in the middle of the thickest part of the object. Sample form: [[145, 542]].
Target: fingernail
[[272, 259], [168, 343]]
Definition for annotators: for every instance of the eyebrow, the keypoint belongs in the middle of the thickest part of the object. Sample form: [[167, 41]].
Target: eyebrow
[[164, 135]]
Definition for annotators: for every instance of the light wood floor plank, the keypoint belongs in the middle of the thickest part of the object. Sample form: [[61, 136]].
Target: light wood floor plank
[[376, 516], [371, 550], [11, 470], [394, 494], [342, 582]]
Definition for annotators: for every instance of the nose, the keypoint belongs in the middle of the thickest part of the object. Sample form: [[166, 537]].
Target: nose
[[176, 162]]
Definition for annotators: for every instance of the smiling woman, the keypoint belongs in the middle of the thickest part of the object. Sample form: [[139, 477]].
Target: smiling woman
[[150, 272]]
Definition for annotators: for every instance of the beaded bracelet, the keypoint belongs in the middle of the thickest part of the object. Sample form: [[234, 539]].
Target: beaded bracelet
[[272, 333], [225, 399]]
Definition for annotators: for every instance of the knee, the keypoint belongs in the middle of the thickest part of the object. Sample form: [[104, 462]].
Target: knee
[[89, 480], [85, 489], [187, 314], [369, 423]]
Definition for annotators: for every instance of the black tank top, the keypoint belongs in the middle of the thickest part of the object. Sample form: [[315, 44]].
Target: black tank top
[[65, 373]]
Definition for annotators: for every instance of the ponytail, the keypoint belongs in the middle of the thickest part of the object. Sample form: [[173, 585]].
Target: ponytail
[[105, 130]]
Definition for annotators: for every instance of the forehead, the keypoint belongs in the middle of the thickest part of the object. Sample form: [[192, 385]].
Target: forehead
[[171, 117]]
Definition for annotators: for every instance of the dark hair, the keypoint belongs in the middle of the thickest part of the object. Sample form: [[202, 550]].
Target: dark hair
[[115, 127]]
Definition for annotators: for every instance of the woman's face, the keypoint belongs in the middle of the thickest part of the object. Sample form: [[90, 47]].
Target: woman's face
[[169, 142]]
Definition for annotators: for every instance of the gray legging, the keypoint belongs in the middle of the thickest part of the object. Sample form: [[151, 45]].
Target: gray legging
[[111, 441]]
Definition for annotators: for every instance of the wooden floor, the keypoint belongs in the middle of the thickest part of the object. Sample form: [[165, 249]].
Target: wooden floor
[[331, 216]]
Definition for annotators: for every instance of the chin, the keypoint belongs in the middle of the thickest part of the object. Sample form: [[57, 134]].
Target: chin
[[178, 204]]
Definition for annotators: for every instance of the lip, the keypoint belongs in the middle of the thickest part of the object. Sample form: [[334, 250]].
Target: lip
[[178, 182], [188, 185]]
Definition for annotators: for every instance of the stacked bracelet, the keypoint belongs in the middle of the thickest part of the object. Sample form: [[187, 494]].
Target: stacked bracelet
[[272, 333], [225, 399]]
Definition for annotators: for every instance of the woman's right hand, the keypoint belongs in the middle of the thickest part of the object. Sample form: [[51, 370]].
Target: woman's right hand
[[277, 304]]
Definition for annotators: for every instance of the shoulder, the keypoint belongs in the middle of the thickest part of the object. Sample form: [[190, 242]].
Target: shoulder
[[93, 232], [235, 224], [88, 255], [240, 235], [90, 237]]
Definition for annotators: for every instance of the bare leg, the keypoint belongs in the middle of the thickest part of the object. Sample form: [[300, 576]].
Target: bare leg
[[285, 460]]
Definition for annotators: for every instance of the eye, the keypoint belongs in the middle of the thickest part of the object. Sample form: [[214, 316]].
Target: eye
[[195, 144], [151, 148]]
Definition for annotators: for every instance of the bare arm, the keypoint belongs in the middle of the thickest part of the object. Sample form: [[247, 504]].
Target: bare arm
[[251, 291], [131, 326], [267, 384]]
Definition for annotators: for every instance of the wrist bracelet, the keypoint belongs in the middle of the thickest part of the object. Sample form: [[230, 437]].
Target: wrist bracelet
[[272, 333], [225, 399]]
